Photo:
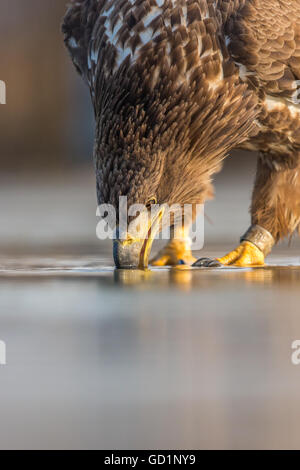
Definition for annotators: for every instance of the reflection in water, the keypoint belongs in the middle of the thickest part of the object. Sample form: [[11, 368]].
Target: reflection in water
[[180, 276], [186, 279], [173, 358], [272, 275], [264, 276], [132, 277]]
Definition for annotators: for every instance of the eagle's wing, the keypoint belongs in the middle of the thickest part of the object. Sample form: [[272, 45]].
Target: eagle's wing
[[263, 38]]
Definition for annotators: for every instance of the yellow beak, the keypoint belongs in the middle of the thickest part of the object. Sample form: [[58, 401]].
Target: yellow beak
[[147, 245], [132, 251]]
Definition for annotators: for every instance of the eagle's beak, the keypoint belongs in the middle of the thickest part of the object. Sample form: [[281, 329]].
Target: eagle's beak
[[132, 250]]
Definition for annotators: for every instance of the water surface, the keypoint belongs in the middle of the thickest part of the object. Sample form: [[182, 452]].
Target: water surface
[[165, 358]]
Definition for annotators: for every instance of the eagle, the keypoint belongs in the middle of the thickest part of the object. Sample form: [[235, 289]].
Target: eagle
[[176, 85]]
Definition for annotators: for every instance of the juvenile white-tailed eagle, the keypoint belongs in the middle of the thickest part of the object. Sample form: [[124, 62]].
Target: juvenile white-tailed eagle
[[176, 85]]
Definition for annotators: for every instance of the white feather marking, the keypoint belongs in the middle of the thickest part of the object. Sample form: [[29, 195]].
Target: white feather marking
[[112, 35], [294, 110], [73, 43], [220, 78], [146, 36], [295, 96], [279, 104], [94, 56], [227, 40], [244, 72], [109, 11], [123, 53], [152, 15], [274, 104]]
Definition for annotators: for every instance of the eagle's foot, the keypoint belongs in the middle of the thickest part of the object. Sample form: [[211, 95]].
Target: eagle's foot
[[207, 263], [245, 255], [175, 253], [255, 245]]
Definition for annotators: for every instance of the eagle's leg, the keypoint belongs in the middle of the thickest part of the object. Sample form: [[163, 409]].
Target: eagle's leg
[[255, 245], [275, 210], [177, 251], [276, 196]]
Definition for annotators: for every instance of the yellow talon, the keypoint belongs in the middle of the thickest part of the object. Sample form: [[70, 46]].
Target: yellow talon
[[245, 255], [173, 253]]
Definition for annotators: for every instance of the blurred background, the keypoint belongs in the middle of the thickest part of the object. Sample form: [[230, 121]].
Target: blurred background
[[98, 358], [47, 123], [47, 185]]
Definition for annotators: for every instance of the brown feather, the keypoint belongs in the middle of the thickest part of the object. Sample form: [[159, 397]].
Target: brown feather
[[177, 84]]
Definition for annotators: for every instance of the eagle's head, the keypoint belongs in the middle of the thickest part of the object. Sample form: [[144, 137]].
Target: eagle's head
[[145, 170]]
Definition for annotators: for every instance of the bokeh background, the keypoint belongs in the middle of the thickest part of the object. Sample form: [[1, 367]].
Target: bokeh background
[[47, 122], [47, 185]]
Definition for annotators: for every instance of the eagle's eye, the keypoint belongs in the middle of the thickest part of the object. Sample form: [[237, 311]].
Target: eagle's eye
[[151, 202]]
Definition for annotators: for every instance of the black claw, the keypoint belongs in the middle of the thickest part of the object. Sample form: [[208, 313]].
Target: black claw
[[207, 263]]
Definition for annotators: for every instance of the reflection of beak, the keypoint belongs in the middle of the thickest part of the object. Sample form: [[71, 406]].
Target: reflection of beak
[[131, 251]]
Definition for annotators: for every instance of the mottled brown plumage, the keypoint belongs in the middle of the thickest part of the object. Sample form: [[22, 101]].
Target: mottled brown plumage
[[177, 84]]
